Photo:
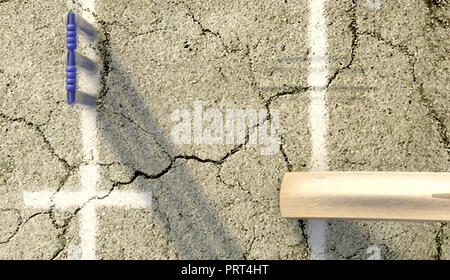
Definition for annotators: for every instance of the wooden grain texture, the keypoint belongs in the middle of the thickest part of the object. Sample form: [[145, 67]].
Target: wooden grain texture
[[366, 195]]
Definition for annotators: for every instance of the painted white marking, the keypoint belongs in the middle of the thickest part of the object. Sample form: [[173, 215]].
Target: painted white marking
[[374, 253], [373, 4], [88, 198], [65, 200], [318, 117], [89, 173], [89, 201], [73, 252]]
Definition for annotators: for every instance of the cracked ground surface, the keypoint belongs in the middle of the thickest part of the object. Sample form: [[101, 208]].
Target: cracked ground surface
[[388, 104], [401, 125]]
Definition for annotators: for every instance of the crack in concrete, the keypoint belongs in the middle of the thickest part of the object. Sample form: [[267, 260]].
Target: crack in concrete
[[302, 224], [354, 29], [432, 6], [439, 241], [131, 120], [44, 138], [9, 87], [439, 121], [292, 91], [70, 170], [432, 113], [20, 219], [245, 255], [66, 222], [402, 49], [131, 32], [219, 162], [104, 50], [22, 223], [285, 157], [202, 28], [139, 173]]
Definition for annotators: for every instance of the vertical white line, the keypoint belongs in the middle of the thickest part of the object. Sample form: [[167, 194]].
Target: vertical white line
[[317, 80], [88, 231], [89, 172]]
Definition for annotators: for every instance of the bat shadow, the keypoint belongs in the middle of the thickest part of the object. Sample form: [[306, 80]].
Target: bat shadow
[[179, 203]]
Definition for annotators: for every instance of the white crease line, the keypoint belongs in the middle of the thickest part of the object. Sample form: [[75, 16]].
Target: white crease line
[[318, 116], [89, 202], [66, 200], [89, 174], [88, 232]]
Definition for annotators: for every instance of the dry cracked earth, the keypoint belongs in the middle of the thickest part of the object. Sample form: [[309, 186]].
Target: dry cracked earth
[[388, 101]]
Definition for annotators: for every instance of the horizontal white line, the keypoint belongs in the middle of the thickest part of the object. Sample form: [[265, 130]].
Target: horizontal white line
[[64, 200]]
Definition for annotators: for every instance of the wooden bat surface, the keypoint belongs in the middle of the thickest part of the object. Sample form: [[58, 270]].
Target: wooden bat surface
[[366, 195]]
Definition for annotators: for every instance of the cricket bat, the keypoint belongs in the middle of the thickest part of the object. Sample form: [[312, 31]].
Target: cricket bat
[[417, 196]]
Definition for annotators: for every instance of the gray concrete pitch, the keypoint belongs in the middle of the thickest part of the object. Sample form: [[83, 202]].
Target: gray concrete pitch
[[219, 201], [210, 201]]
